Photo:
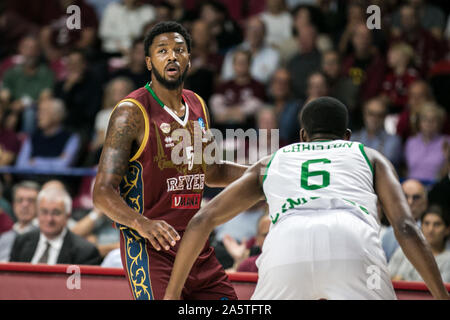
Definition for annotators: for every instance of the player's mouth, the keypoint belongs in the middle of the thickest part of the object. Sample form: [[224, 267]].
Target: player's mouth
[[172, 70]]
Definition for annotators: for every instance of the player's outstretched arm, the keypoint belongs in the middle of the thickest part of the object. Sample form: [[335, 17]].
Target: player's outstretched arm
[[410, 238], [125, 130], [237, 197], [220, 175]]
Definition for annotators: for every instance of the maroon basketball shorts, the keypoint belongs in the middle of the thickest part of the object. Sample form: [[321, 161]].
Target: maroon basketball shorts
[[148, 271]]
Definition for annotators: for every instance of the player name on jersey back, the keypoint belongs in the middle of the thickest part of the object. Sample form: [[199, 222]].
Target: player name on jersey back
[[300, 147]]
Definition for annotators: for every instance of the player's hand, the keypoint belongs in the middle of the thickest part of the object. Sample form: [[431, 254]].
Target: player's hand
[[158, 232]]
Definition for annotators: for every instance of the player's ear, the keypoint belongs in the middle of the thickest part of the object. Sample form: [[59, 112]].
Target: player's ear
[[347, 134], [303, 135], [148, 62]]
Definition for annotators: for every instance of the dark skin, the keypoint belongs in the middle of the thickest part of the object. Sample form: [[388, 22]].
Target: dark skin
[[248, 189], [125, 134]]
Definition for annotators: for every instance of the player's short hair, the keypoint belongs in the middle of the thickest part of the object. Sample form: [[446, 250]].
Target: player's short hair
[[166, 27], [324, 115]]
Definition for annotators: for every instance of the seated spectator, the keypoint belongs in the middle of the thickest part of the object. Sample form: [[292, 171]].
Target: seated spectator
[[240, 232], [163, 12], [427, 48], [53, 243], [121, 23], [81, 92], [236, 102], [265, 59], [13, 27], [57, 39], [436, 229], [285, 106], [28, 45], [424, 152], [244, 254], [317, 86], [224, 29], [373, 134], [24, 196], [116, 90], [52, 145], [26, 83], [304, 16], [268, 137], [9, 141], [401, 76], [278, 22], [249, 264], [206, 63], [341, 86], [354, 16], [135, 69], [417, 198], [179, 12], [365, 66], [440, 191], [431, 17], [419, 94], [305, 62]]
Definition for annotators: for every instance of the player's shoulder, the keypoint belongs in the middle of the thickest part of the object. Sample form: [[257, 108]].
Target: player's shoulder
[[191, 94]]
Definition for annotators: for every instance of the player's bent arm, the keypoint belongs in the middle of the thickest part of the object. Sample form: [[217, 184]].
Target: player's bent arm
[[125, 131], [409, 237], [220, 175], [237, 197]]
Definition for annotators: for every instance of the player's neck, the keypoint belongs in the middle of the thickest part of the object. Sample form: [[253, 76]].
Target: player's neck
[[170, 98]]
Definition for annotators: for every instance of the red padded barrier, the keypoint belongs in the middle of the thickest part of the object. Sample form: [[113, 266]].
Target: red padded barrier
[[23, 281]]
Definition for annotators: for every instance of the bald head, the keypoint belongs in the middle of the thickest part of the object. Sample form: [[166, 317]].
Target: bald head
[[416, 195]]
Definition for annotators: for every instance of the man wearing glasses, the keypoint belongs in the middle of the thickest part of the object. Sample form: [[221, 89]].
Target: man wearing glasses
[[416, 194]]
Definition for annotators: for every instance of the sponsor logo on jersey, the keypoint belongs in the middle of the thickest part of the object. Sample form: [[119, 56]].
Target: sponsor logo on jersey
[[186, 182], [169, 142], [165, 127], [186, 201]]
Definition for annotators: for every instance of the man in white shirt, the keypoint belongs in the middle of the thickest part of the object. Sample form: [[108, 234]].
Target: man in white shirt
[[278, 21], [121, 23], [53, 243]]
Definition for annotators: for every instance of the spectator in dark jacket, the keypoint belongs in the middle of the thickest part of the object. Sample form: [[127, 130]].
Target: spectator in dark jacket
[[54, 243]]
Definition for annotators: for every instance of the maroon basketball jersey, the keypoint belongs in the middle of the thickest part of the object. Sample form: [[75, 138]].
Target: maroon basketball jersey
[[156, 184]]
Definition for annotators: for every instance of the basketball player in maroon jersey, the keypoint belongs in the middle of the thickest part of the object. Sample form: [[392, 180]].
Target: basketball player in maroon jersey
[[139, 186]]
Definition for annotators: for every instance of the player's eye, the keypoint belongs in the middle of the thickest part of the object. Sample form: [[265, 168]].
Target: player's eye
[[162, 51]]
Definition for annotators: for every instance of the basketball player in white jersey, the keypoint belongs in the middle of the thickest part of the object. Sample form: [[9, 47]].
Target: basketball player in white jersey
[[324, 239]]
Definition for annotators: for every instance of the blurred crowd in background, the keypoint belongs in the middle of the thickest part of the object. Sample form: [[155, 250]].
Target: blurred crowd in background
[[255, 63]]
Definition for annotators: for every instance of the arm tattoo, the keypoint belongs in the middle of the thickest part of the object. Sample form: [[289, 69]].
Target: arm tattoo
[[124, 132]]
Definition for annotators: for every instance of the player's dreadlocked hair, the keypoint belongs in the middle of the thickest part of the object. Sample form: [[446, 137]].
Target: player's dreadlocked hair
[[165, 27], [325, 115]]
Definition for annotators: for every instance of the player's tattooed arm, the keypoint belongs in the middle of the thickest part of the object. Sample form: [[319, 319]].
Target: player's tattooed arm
[[125, 132]]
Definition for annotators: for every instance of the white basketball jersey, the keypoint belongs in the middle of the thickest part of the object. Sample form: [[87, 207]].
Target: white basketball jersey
[[322, 175]]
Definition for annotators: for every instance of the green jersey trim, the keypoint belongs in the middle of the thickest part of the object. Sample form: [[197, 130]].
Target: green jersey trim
[[361, 148], [267, 167]]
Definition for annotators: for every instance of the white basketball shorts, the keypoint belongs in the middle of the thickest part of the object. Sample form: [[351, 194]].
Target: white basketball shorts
[[323, 255]]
